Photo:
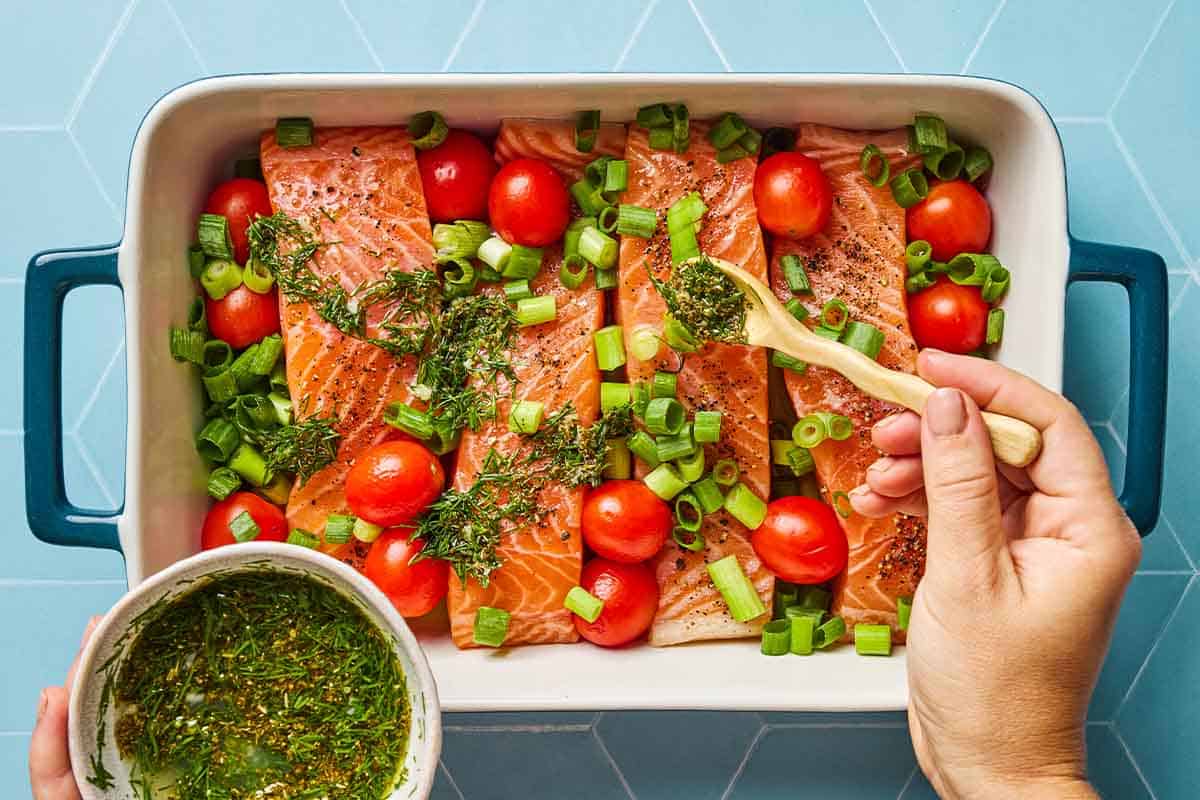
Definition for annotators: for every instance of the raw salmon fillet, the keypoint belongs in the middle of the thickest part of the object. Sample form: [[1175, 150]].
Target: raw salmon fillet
[[859, 258], [727, 378], [358, 187], [554, 364]]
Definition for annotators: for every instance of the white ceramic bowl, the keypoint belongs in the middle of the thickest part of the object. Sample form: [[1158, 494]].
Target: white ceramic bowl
[[424, 743]]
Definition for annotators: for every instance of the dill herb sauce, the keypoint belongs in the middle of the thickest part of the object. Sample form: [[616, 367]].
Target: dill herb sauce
[[262, 684]]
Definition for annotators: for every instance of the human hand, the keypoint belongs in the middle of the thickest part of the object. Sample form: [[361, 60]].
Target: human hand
[[49, 756], [1024, 576]]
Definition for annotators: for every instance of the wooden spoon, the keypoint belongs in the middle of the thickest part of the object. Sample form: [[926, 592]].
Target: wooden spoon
[[768, 324]]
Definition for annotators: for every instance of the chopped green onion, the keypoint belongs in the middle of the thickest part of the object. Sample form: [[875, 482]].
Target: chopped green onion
[[784, 361], [460, 239], [636, 221], [691, 467], [641, 398], [779, 451], [745, 506], [525, 416], [707, 426], [909, 188], [523, 262], [834, 314], [872, 640], [826, 635], [813, 597], [865, 338], [596, 171], [809, 432], [796, 309], [917, 256], [587, 125], [684, 245], [947, 163], [801, 461], [254, 412], [783, 596], [598, 247], [574, 271], [919, 282], [278, 490], [607, 219], [661, 139], [220, 277], [680, 136], [678, 445], [495, 253], [688, 540], [972, 269], [976, 162], [776, 637], [278, 380], [688, 514], [365, 531], [616, 177], [800, 631], [665, 384], [488, 275], [217, 440], [995, 284], [995, 326], [196, 260], [678, 337], [536, 310], [644, 343], [491, 626], [244, 528], [302, 538], [408, 419], [428, 129], [903, 612], [815, 615], [665, 481], [751, 141], [257, 277], [249, 463], [736, 589], [725, 472], [220, 384], [729, 129], [731, 153], [242, 368], [664, 415], [876, 175], [248, 168], [614, 396], [606, 279], [642, 445], [338, 528], [778, 140], [445, 437], [618, 463], [458, 276], [293, 132], [582, 603], [708, 494], [828, 333], [929, 133], [187, 346], [267, 354], [841, 504], [794, 274], [282, 407], [589, 197], [685, 212], [222, 482], [517, 290], [656, 115], [610, 347]]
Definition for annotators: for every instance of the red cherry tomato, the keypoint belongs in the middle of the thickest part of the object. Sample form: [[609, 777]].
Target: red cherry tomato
[[529, 204], [393, 482], [272, 525], [630, 596], [793, 195], [455, 176], [413, 588], [800, 540], [625, 521], [948, 317], [954, 218], [240, 201], [243, 316]]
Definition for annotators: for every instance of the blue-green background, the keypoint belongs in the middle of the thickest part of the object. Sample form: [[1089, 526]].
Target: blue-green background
[[1119, 78]]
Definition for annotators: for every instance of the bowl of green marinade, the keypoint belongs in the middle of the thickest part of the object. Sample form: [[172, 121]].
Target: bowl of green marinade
[[263, 670]]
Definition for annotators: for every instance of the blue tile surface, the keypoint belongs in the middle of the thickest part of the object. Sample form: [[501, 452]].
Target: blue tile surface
[[1120, 84]]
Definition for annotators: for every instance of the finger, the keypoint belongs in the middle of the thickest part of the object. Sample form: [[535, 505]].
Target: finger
[[875, 506], [898, 435], [49, 759], [896, 477], [87, 634], [966, 540]]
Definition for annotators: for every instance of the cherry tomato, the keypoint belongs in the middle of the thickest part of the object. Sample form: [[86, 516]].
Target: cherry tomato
[[413, 588], [800, 540], [625, 521], [630, 596], [948, 317], [240, 201], [793, 195], [528, 203], [455, 176], [243, 316], [954, 218], [272, 525], [393, 482]]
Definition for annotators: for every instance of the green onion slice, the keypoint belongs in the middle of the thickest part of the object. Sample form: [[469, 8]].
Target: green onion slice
[[187, 346], [875, 166], [684, 245], [725, 472], [664, 384], [680, 445], [196, 259], [903, 612], [686, 212], [597, 170], [688, 540], [220, 277], [745, 506], [582, 603], [729, 129], [495, 253], [917, 255], [945, 164], [614, 396], [244, 528], [657, 115], [220, 384], [706, 426], [661, 139], [222, 482], [339, 528], [918, 282], [517, 290], [794, 274], [708, 494], [665, 481], [428, 129], [801, 630], [976, 162], [523, 262], [589, 197], [257, 277], [995, 326], [688, 514], [610, 347], [636, 221], [644, 343], [680, 136], [834, 314], [491, 626], [217, 440], [796, 308], [801, 461], [837, 427], [909, 188], [536, 310], [678, 337], [618, 462], [606, 279], [736, 589], [408, 419], [784, 361], [587, 125], [841, 504], [607, 220], [691, 467], [872, 640], [664, 415], [365, 531], [616, 176], [863, 337], [249, 463], [809, 431], [212, 231], [929, 133], [526, 416], [598, 247], [995, 284], [829, 633], [642, 445], [573, 272], [751, 141], [301, 537], [293, 132], [776, 637]]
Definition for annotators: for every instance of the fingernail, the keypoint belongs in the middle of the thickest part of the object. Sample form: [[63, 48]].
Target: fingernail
[[886, 421], [882, 465], [860, 491], [946, 413], [43, 701]]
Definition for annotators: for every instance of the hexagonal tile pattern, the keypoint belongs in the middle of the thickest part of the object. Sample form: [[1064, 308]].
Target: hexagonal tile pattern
[[411, 37], [1096, 349], [669, 34], [1181, 503], [956, 27], [683, 756]]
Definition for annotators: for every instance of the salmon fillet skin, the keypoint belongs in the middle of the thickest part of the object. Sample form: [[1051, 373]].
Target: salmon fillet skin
[[860, 259], [359, 189], [727, 378], [554, 364]]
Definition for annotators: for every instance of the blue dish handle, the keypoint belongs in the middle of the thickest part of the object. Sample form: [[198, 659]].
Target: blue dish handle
[[52, 517], [1144, 277]]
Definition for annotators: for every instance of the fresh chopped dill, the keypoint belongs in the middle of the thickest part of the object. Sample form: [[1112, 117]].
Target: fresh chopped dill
[[303, 448], [705, 301]]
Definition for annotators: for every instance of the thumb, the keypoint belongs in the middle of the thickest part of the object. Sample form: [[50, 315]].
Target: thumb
[[966, 538], [49, 760]]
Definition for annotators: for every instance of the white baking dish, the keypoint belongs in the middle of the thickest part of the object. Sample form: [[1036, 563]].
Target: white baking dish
[[189, 139]]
